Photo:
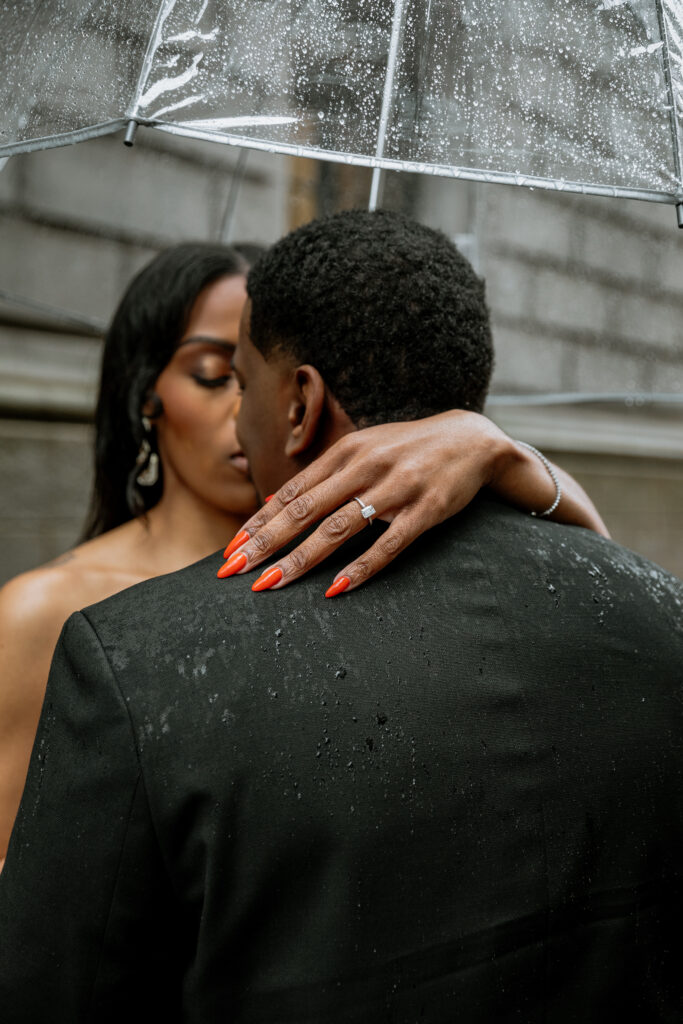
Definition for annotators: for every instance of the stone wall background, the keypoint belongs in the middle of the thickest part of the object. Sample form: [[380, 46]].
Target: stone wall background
[[586, 295]]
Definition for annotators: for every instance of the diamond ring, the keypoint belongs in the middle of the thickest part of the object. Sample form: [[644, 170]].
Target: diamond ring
[[367, 511]]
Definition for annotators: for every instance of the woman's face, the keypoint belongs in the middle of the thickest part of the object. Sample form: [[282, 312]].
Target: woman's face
[[196, 430]]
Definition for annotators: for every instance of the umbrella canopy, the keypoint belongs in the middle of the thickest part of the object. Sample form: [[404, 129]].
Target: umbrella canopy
[[582, 96]]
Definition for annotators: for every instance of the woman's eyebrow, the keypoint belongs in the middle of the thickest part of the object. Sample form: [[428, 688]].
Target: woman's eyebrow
[[227, 346]]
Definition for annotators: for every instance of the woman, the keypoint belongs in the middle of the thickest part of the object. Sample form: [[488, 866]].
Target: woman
[[171, 484]]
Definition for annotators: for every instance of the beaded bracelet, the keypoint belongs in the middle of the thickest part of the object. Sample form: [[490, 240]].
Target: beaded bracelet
[[553, 474]]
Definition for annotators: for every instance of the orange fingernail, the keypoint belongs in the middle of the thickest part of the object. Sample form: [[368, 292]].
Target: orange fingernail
[[338, 587], [237, 541], [268, 579], [233, 565], [270, 496]]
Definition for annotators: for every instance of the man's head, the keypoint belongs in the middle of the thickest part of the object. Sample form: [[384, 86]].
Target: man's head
[[358, 319]]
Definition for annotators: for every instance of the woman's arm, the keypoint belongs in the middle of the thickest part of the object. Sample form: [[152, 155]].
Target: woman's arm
[[415, 474], [31, 618], [524, 481]]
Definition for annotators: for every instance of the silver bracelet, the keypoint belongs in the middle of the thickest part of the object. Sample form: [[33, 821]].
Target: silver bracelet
[[553, 474]]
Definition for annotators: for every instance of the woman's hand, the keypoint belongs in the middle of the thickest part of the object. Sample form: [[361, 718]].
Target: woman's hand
[[415, 474]]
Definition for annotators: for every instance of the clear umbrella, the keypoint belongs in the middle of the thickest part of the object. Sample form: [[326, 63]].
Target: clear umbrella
[[556, 94]]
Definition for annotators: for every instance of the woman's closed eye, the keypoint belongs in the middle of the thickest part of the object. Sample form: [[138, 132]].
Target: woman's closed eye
[[207, 362], [212, 371], [212, 382]]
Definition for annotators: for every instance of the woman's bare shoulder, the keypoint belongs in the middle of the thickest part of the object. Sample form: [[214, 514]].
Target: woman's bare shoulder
[[33, 608], [43, 598]]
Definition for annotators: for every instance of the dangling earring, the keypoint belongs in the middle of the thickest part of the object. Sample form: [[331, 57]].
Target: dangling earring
[[147, 458]]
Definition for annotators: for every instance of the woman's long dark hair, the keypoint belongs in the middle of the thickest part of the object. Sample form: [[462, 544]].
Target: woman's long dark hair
[[144, 333]]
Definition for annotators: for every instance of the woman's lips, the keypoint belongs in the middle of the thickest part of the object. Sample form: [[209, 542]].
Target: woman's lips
[[239, 461]]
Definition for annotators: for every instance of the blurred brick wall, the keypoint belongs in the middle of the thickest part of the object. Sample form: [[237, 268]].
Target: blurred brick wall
[[76, 223], [587, 293], [46, 475]]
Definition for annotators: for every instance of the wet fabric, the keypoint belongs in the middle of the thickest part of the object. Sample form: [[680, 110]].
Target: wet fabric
[[575, 93], [455, 794]]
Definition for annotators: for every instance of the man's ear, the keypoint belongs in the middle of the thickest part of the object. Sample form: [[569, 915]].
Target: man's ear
[[306, 409]]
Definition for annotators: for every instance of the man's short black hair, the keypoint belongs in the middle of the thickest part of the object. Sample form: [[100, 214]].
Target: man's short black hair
[[388, 311]]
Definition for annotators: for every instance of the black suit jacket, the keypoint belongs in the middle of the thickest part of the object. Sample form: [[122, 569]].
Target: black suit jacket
[[454, 795]]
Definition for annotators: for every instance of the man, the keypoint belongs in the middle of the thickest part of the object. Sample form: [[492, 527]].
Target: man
[[452, 796]]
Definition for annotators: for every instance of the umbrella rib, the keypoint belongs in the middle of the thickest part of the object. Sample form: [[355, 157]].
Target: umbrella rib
[[93, 131], [65, 318], [165, 8], [225, 231], [393, 164], [675, 137], [386, 98]]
